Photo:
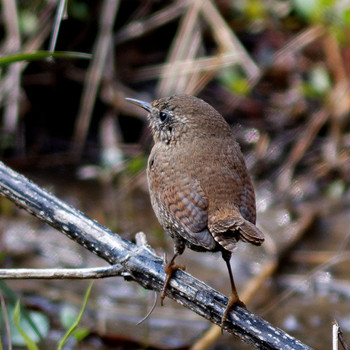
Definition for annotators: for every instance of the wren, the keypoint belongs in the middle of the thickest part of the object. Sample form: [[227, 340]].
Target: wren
[[199, 185]]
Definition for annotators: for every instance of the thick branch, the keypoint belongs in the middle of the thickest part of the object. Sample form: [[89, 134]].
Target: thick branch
[[141, 264]]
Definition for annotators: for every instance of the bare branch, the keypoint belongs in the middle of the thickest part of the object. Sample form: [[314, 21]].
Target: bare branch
[[84, 273], [141, 264]]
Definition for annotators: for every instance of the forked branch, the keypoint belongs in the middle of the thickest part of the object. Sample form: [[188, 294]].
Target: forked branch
[[138, 262]]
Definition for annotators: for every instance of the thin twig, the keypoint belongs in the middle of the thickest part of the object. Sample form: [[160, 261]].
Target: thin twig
[[338, 336], [335, 328], [83, 273]]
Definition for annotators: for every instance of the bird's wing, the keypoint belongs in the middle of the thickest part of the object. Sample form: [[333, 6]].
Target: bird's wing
[[246, 202], [187, 207], [232, 220]]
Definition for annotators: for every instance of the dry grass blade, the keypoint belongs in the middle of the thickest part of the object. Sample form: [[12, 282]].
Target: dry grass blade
[[306, 37], [93, 77], [138, 28], [334, 58], [339, 98], [61, 14], [185, 45], [182, 72], [317, 120], [32, 44], [12, 91], [178, 68], [227, 41], [183, 84]]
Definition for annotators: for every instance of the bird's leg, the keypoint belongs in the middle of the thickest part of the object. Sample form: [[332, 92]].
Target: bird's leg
[[169, 269], [234, 298]]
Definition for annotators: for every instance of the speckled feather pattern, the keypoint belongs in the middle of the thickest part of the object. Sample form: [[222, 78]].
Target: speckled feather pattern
[[199, 184]]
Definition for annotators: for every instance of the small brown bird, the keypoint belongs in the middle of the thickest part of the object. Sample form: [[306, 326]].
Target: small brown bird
[[199, 185]]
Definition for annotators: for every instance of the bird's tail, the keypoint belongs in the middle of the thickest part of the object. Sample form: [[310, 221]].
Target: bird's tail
[[228, 232]]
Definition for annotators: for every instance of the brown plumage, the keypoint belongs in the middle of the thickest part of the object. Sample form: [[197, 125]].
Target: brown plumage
[[199, 185]]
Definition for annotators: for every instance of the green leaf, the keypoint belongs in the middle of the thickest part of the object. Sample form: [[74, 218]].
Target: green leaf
[[29, 323], [346, 16], [320, 80], [39, 55], [137, 164], [234, 80], [75, 324], [81, 333], [68, 315], [28, 22], [16, 319], [306, 9], [255, 9]]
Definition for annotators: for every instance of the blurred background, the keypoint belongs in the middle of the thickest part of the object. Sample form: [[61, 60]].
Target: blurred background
[[277, 70]]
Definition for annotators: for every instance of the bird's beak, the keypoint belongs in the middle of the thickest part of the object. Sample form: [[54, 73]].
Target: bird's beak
[[145, 105]]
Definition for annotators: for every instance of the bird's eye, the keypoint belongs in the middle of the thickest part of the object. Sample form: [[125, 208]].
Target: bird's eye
[[163, 116]]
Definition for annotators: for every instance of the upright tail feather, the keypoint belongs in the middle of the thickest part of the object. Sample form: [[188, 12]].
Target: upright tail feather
[[250, 233], [228, 232]]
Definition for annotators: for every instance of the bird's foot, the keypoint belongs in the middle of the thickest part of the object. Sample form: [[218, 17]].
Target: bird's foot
[[169, 269], [233, 301]]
